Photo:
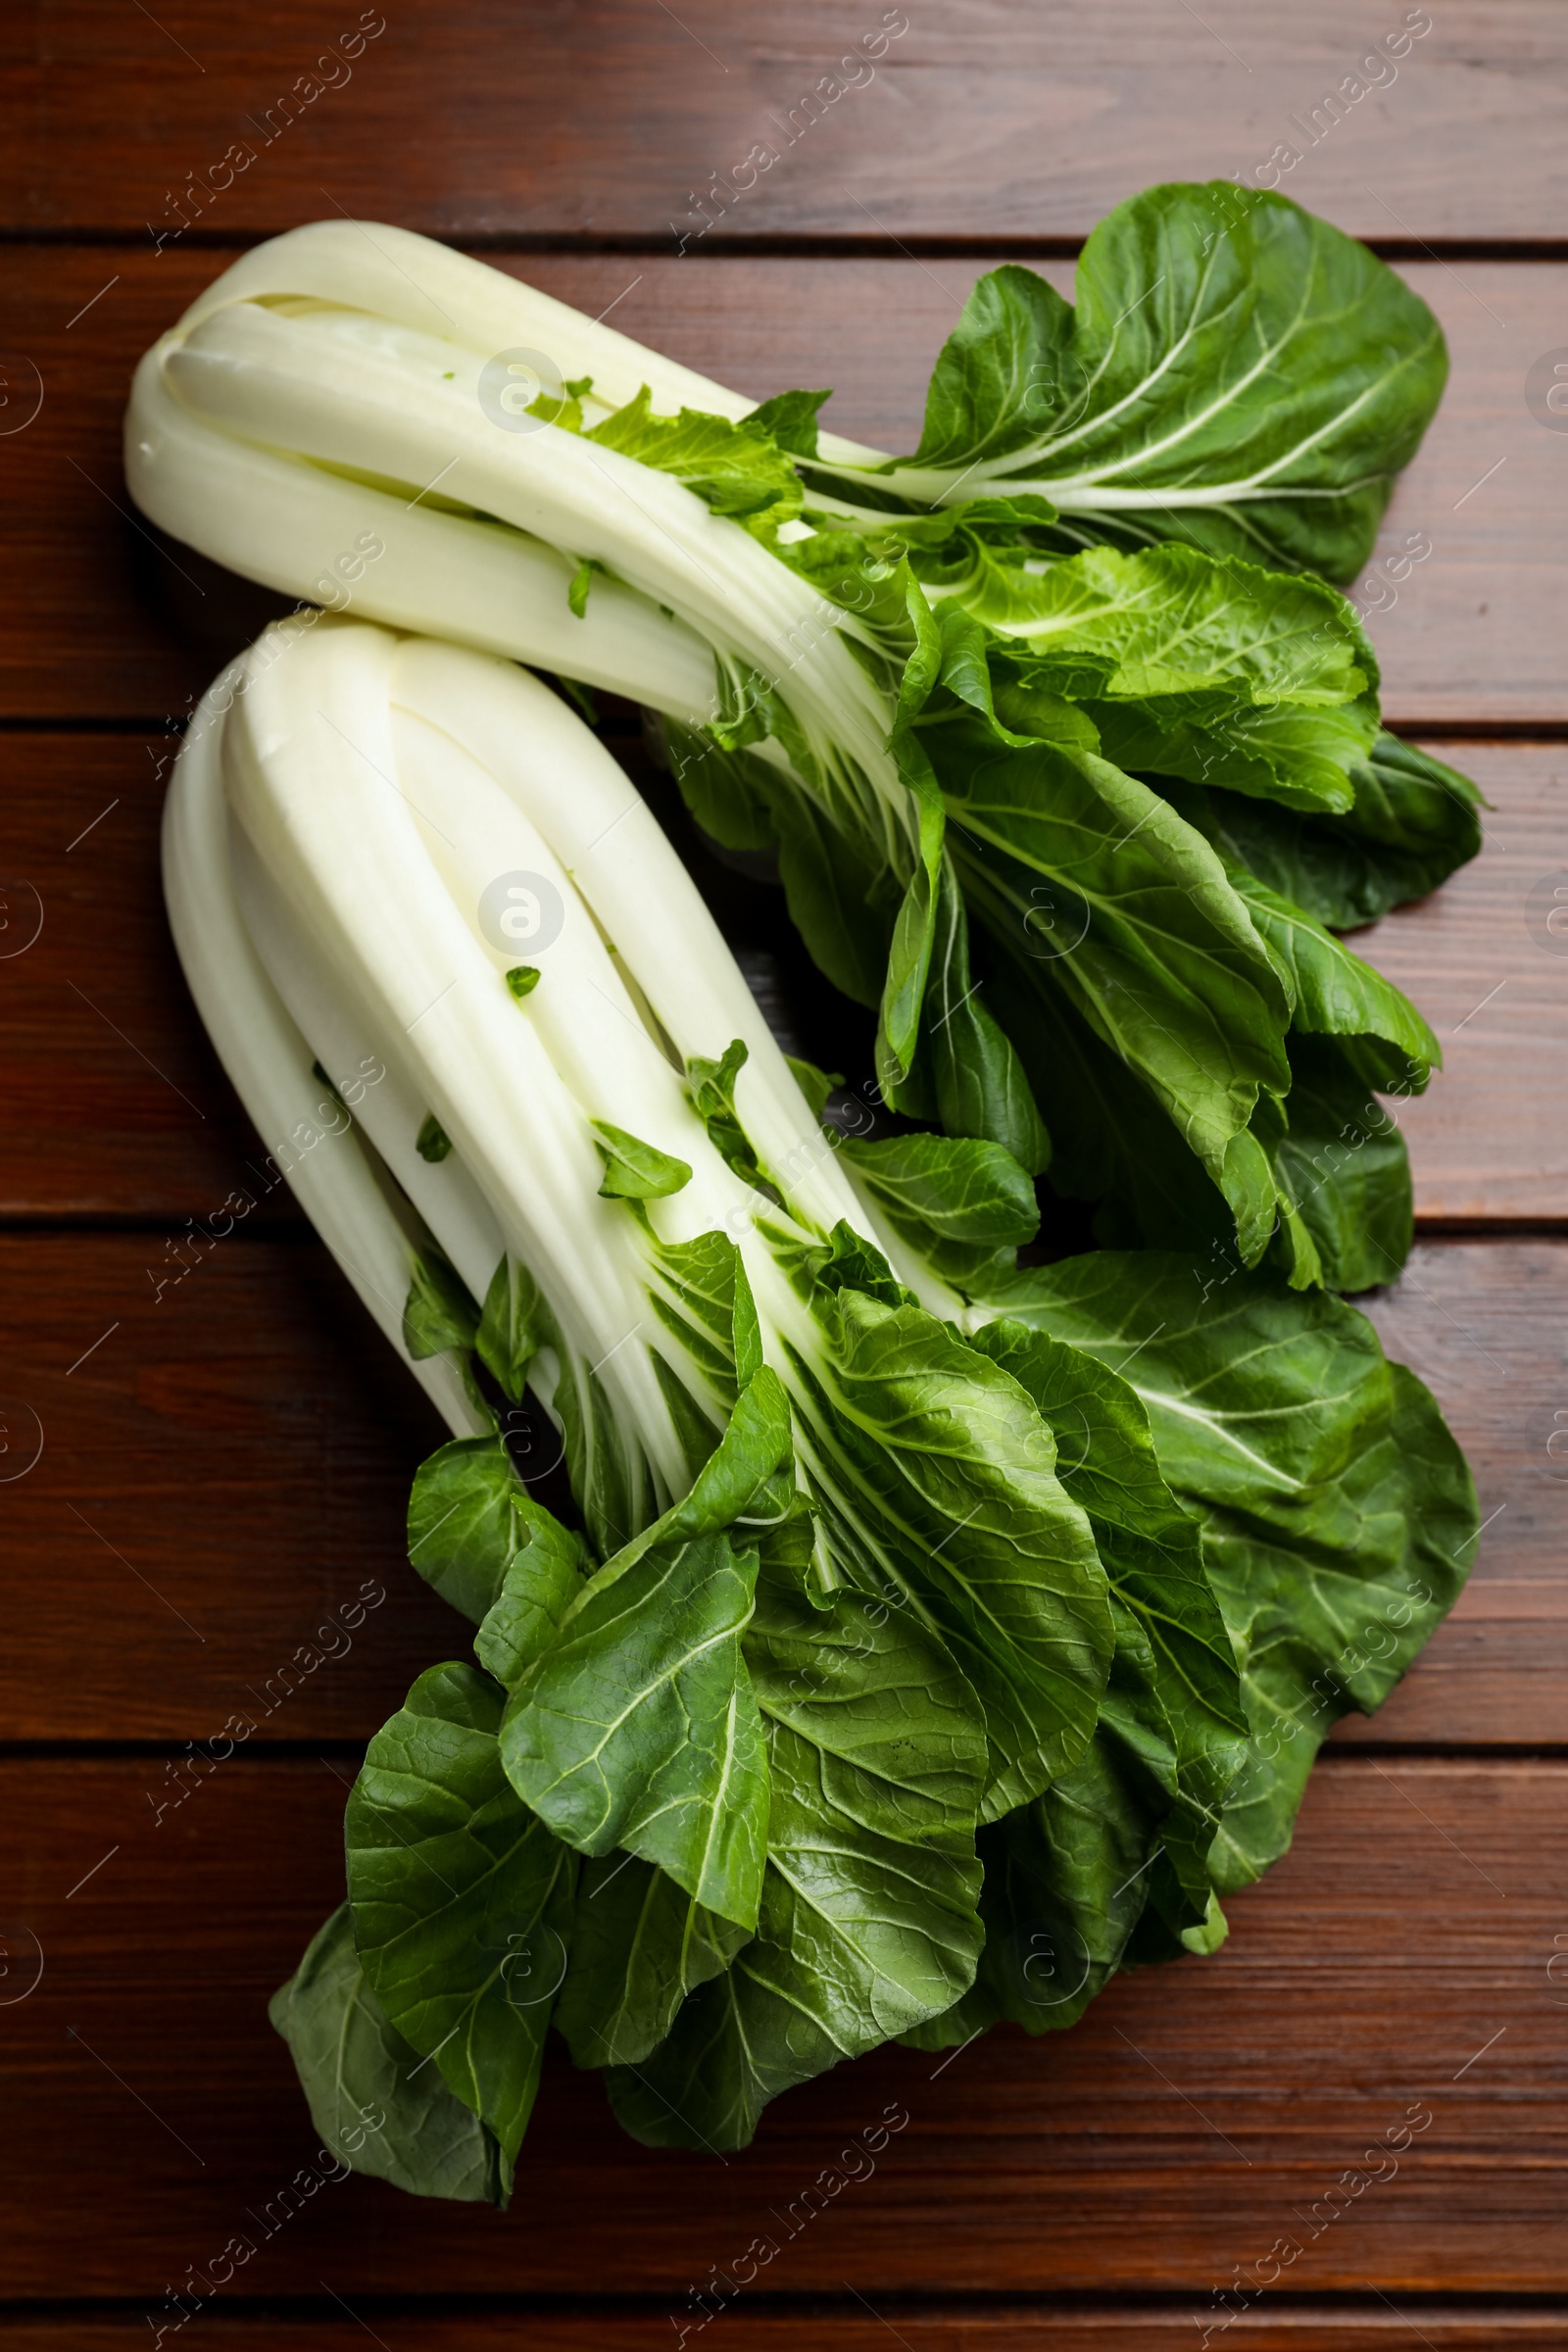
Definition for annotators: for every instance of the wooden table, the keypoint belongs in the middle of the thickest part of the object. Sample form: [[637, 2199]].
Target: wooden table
[[226, 1464]]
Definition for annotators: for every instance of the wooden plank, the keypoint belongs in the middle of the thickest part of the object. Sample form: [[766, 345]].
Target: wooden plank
[[1391, 1976], [843, 2327], [229, 1465], [1498, 1667], [222, 1477], [1483, 961], [116, 1103], [146, 1124], [975, 122], [1474, 633]]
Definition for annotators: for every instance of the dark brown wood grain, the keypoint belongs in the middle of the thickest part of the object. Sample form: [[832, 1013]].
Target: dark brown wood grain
[[219, 1482], [1192, 2121], [116, 1103], [1050, 2326], [605, 120], [96, 618]]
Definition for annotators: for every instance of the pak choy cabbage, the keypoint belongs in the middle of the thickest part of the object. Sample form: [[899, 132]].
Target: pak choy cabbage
[[930, 1634], [1066, 748]]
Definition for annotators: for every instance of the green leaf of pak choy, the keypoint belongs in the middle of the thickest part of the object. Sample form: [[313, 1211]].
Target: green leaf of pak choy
[[462, 1898], [371, 2100], [637, 1727], [439, 1314], [639, 1946], [867, 1924], [635, 1170]]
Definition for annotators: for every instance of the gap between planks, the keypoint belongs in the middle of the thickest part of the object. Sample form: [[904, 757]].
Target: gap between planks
[[781, 245]]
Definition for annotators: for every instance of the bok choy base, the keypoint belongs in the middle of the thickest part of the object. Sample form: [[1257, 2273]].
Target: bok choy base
[[928, 1617]]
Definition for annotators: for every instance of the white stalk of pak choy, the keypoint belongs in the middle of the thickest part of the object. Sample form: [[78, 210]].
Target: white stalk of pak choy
[[835, 1503], [934, 714]]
